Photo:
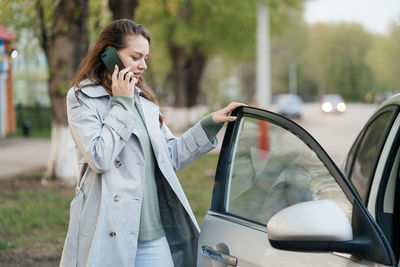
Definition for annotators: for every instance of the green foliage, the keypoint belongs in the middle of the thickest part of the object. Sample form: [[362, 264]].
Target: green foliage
[[384, 60], [21, 14], [77, 13], [64, 29], [218, 28], [336, 59], [99, 17], [62, 89]]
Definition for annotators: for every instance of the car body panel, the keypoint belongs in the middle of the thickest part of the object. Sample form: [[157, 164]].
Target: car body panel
[[255, 248]]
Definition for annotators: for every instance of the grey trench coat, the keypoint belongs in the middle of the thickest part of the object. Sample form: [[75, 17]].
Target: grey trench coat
[[104, 214]]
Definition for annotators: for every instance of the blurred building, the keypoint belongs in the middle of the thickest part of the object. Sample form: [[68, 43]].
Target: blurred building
[[7, 111]]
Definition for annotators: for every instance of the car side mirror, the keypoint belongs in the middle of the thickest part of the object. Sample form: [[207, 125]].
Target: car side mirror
[[319, 220], [313, 226]]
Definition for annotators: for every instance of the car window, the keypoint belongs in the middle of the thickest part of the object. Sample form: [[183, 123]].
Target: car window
[[272, 169], [366, 154]]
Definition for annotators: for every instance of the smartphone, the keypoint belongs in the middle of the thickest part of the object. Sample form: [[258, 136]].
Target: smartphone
[[110, 58]]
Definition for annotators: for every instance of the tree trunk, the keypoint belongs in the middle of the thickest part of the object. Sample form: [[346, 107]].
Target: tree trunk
[[196, 66], [187, 70], [65, 48], [123, 9], [179, 75]]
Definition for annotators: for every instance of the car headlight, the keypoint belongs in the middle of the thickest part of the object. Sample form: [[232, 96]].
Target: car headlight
[[341, 107], [327, 107]]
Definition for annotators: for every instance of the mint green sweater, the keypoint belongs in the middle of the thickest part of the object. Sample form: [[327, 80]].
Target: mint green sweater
[[150, 226]]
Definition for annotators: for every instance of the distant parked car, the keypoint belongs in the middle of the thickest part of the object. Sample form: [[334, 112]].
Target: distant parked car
[[380, 97], [289, 105], [332, 103]]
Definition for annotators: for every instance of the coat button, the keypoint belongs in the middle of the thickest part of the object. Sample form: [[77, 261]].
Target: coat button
[[118, 163], [116, 198], [112, 233]]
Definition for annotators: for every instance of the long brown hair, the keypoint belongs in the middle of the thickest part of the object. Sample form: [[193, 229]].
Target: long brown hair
[[93, 68]]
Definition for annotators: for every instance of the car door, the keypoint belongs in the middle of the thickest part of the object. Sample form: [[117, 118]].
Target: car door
[[279, 200]]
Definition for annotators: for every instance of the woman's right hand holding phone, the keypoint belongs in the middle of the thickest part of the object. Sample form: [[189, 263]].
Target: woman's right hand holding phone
[[123, 82]]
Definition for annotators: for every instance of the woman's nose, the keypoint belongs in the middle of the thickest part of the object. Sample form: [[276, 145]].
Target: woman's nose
[[143, 65]]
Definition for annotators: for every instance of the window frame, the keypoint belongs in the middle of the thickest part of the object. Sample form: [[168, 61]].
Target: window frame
[[218, 203]]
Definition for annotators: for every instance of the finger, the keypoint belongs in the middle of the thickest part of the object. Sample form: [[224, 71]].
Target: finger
[[123, 72], [133, 80], [234, 105], [128, 76], [114, 76], [231, 118], [222, 119]]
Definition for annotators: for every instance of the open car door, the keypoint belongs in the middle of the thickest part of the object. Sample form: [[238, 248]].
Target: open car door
[[279, 200]]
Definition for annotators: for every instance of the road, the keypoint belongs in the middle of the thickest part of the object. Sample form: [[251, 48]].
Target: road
[[20, 155], [336, 132]]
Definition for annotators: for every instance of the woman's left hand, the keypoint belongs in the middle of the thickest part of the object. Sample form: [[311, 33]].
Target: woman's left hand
[[221, 115]]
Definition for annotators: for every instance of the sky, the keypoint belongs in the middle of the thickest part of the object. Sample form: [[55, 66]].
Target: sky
[[374, 15]]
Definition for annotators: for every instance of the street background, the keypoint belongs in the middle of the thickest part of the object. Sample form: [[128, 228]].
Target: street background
[[203, 55], [335, 132]]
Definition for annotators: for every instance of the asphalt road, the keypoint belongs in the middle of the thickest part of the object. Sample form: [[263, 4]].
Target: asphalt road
[[336, 132]]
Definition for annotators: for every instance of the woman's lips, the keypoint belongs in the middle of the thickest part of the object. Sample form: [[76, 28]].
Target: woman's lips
[[137, 75]]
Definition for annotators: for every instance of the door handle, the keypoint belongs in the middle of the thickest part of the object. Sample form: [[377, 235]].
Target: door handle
[[219, 256]]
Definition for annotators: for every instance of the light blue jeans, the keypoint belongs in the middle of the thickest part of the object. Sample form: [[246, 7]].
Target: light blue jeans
[[153, 253]]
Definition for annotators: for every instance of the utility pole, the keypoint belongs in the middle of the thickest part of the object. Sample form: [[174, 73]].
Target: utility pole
[[293, 77], [263, 85]]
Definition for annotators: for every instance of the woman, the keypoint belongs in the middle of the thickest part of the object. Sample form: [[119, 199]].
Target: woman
[[130, 209]]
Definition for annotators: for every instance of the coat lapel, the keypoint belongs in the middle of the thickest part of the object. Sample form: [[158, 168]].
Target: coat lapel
[[150, 112]]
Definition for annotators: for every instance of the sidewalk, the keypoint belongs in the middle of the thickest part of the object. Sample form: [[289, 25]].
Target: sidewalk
[[20, 155]]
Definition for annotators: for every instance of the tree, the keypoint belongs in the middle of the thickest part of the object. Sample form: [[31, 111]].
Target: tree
[[65, 44], [61, 28], [192, 31], [123, 9], [336, 59], [384, 60]]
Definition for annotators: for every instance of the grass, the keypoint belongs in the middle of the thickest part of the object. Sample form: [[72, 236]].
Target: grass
[[197, 181], [34, 218]]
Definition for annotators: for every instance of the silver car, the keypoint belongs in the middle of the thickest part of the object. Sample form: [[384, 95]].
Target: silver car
[[279, 199], [289, 105]]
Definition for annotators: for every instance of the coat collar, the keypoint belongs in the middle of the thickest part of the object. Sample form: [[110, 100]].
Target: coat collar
[[92, 90], [99, 91]]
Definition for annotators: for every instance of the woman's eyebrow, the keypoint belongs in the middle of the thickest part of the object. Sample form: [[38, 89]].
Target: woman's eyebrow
[[139, 53]]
